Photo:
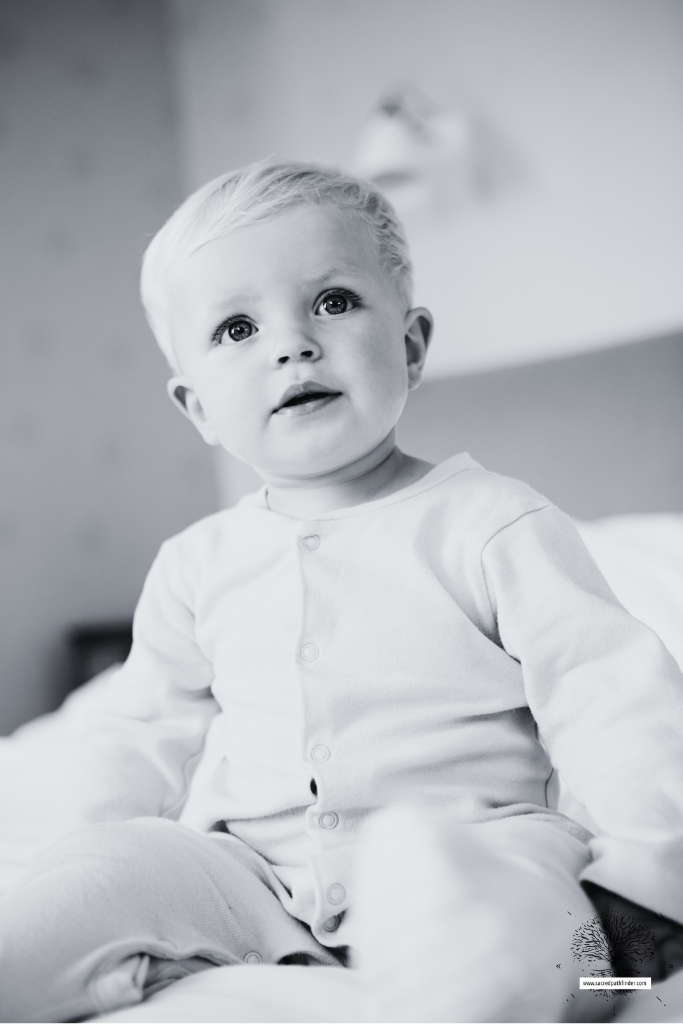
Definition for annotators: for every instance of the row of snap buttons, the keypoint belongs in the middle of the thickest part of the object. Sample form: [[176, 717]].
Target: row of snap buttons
[[309, 652]]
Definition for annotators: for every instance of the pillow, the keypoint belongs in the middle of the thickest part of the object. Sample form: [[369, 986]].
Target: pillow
[[641, 556]]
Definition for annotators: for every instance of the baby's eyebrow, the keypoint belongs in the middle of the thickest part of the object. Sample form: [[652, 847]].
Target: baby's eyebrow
[[341, 269], [229, 303]]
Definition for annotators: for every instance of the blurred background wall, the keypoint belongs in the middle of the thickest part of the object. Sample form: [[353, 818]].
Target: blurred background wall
[[96, 468], [565, 242]]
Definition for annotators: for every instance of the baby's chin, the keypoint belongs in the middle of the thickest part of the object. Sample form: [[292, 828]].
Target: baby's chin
[[325, 469], [308, 475]]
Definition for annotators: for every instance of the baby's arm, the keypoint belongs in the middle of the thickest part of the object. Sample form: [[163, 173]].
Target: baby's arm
[[139, 749], [608, 700]]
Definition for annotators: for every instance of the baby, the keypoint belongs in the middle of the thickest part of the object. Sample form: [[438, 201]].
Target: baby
[[379, 635]]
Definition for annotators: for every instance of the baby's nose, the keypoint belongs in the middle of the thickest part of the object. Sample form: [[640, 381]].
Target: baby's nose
[[306, 353], [296, 350]]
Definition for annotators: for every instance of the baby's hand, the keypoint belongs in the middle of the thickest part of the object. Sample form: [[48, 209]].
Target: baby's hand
[[668, 934]]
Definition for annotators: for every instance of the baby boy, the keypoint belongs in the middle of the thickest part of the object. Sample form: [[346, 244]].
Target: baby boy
[[367, 633]]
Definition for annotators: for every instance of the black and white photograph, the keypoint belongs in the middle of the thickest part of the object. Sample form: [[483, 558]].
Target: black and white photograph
[[341, 511]]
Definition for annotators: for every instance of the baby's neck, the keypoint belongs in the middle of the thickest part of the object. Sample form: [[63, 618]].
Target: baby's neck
[[388, 472]]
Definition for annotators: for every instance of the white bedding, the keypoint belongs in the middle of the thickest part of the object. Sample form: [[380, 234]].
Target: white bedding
[[642, 558]]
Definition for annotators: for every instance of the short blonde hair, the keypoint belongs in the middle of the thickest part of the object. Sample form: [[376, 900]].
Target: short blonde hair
[[255, 193]]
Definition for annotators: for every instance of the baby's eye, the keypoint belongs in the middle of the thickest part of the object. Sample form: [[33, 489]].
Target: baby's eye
[[236, 330], [335, 303]]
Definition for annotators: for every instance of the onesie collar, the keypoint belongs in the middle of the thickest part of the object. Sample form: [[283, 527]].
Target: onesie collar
[[451, 467]]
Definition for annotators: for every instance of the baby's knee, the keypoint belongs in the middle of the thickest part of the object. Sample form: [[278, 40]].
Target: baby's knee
[[105, 854]]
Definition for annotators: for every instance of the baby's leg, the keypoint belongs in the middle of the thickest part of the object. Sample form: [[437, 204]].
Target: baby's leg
[[472, 922], [116, 911]]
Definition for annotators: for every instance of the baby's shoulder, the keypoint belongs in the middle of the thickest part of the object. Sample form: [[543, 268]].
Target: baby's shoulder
[[211, 539], [483, 503]]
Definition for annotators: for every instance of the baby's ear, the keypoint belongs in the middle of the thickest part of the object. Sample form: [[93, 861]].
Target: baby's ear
[[418, 332], [183, 397]]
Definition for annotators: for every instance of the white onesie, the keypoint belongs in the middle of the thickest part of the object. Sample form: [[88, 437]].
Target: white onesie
[[410, 648]]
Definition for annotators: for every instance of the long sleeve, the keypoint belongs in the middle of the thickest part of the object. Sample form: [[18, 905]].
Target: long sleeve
[[139, 750], [607, 697]]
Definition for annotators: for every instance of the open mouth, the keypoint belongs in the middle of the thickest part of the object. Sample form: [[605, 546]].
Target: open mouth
[[305, 398]]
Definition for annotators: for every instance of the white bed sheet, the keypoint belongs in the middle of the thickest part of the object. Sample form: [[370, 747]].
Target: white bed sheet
[[642, 558], [270, 995]]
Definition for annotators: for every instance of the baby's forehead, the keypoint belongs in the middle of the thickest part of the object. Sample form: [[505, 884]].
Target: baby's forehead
[[305, 244]]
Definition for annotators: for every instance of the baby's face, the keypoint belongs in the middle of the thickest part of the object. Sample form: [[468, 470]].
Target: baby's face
[[295, 348]]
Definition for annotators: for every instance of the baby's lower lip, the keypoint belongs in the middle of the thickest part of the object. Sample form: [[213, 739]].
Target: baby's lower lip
[[306, 408]]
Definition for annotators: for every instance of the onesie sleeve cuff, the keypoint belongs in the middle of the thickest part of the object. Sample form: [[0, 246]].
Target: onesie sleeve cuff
[[648, 873]]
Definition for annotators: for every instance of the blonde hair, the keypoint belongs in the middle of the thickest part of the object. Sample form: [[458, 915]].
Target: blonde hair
[[255, 193]]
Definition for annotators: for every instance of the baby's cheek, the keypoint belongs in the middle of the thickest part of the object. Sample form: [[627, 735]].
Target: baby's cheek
[[392, 394], [238, 430]]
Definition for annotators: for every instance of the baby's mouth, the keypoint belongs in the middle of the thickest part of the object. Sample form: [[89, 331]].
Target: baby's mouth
[[306, 397]]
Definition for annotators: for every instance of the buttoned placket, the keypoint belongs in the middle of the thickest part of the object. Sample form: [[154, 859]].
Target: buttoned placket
[[309, 652], [334, 893]]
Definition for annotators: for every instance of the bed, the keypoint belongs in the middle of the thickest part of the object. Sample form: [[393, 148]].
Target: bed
[[640, 551]]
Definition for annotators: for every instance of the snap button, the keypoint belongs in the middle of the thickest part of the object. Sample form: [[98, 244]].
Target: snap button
[[329, 820], [320, 753], [312, 542], [309, 652], [332, 923], [253, 958], [336, 893]]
